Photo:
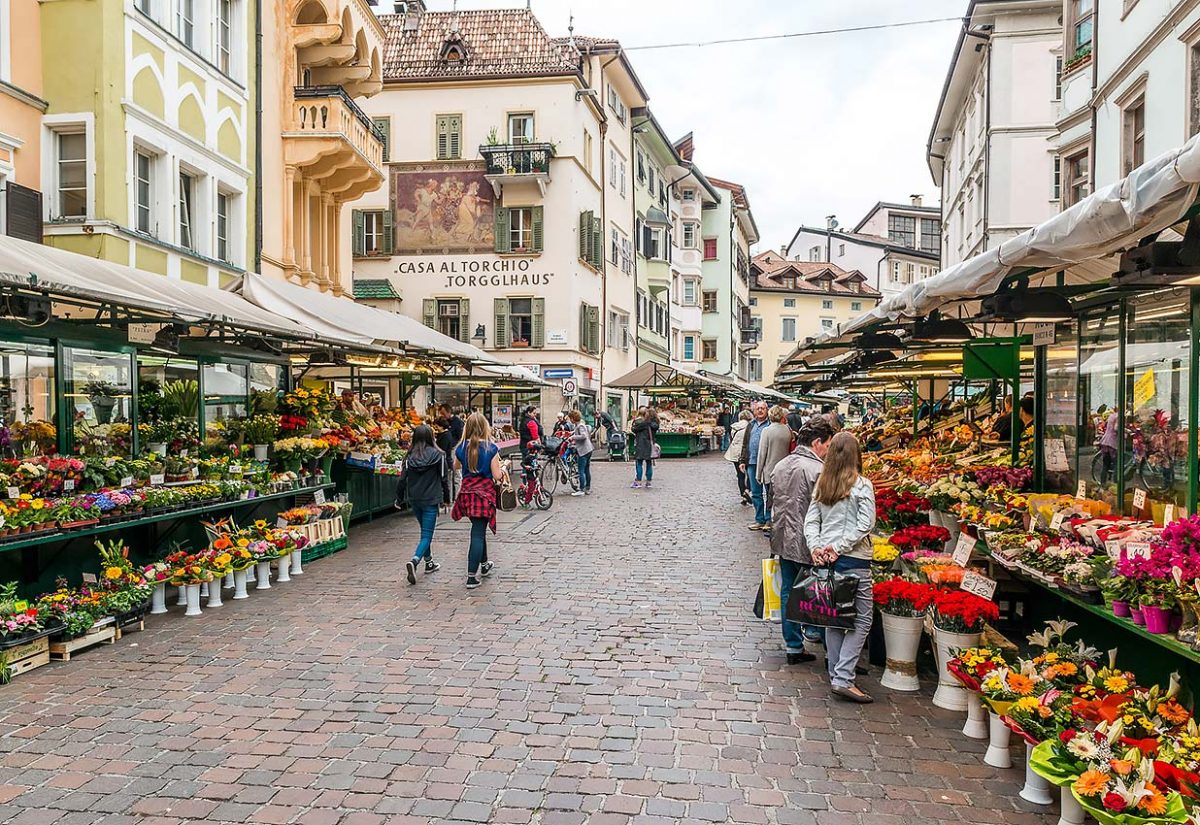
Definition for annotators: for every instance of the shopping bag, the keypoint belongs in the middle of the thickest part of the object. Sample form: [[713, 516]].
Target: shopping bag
[[824, 599], [772, 583]]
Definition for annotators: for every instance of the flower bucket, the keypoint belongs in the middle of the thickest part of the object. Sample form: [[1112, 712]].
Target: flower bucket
[[950, 694], [902, 637], [1071, 812], [285, 567], [327, 465], [999, 737], [239, 585], [182, 600], [1138, 616], [262, 576], [158, 599], [1120, 609], [1158, 619], [976, 726], [193, 599], [1037, 789], [297, 563], [261, 451], [214, 594], [157, 447]]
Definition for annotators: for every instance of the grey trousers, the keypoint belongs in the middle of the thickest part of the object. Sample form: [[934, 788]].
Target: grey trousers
[[843, 647]]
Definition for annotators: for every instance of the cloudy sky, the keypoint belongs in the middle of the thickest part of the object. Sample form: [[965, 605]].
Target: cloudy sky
[[812, 126]]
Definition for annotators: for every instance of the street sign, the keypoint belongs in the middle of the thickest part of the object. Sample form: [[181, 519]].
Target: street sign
[[558, 373], [570, 387]]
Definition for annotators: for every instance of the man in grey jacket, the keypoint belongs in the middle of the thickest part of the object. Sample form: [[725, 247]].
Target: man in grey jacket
[[792, 483]]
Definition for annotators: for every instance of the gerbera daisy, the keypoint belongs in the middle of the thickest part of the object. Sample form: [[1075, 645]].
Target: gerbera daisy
[[1083, 747], [1020, 684], [1091, 783], [1173, 712], [1154, 803], [1116, 684]]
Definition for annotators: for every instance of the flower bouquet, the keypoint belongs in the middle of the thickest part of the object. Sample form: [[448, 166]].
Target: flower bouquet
[[899, 508], [125, 588], [19, 620], [927, 537], [956, 611]]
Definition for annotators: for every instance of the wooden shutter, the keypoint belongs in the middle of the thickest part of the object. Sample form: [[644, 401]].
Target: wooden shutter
[[598, 243], [503, 234], [384, 125], [389, 243], [23, 208], [456, 136], [464, 320], [539, 323], [502, 339], [584, 340], [449, 137], [538, 227], [593, 326], [358, 241], [585, 236], [429, 308]]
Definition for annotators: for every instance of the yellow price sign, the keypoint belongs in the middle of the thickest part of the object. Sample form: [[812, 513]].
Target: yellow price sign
[[1144, 389]]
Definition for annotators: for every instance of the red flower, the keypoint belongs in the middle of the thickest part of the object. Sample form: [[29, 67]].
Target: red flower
[[902, 594], [1114, 802], [1067, 735]]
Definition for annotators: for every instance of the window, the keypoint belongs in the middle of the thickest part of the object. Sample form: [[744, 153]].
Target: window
[[617, 105], [143, 193], [788, 331], [1133, 139], [1082, 25], [710, 249], [827, 304], [895, 272], [449, 137], [826, 323], [753, 301], [689, 348], [755, 369], [591, 239], [789, 303], [185, 29], [617, 334], [1078, 180], [688, 195], [520, 230], [383, 125], [72, 175], [1056, 180], [841, 250], [1194, 89], [222, 226], [689, 292], [709, 349], [372, 232], [187, 200], [931, 236], [690, 234], [856, 306], [1058, 69], [520, 128], [710, 300], [451, 318], [587, 151], [814, 253], [520, 320], [903, 230], [224, 36], [146, 7]]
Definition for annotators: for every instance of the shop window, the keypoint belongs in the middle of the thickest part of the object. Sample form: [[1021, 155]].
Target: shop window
[[710, 300], [709, 349], [168, 395], [449, 137], [27, 397], [99, 388], [1099, 389], [226, 396], [1062, 386]]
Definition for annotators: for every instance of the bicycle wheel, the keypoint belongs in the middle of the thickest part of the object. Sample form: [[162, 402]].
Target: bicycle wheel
[[543, 499], [573, 476], [1157, 477], [550, 477]]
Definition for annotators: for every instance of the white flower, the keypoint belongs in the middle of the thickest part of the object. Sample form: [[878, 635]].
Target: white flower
[[1083, 747]]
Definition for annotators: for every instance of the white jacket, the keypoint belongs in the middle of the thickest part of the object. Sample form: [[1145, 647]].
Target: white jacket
[[845, 525], [737, 434]]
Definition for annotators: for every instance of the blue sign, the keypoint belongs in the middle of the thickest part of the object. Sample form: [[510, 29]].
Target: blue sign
[[559, 373]]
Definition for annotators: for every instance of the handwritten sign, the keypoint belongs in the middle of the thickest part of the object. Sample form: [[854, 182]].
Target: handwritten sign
[[1043, 334], [158, 478], [962, 552], [281, 522], [319, 496], [14, 492], [68, 485], [1144, 389], [1113, 549], [979, 585], [1168, 514], [89, 578], [235, 469], [127, 481], [1081, 490], [1056, 522], [1056, 456], [1139, 499], [183, 453], [1138, 549]]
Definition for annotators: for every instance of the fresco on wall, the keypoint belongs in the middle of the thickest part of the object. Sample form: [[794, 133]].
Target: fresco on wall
[[444, 211]]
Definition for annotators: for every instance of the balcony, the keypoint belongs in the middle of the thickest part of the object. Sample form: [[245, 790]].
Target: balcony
[[332, 141], [749, 338], [517, 163], [339, 42], [658, 276]]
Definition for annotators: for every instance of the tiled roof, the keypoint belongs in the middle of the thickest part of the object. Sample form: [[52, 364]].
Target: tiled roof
[[368, 289], [582, 41], [498, 43], [739, 192], [770, 267]]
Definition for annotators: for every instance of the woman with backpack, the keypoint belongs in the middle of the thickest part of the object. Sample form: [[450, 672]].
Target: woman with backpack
[[479, 459], [837, 531], [644, 446], [424, 482]]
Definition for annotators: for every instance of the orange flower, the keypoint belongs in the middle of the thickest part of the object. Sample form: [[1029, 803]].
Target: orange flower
[[1020, 684], [1091, 783], [1155, 804], [1121, 767], [1173, 712], [222, 543]]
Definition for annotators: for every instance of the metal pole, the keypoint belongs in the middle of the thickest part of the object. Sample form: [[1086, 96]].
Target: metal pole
[[1040, 384], [1123, 401], [1193, 447]]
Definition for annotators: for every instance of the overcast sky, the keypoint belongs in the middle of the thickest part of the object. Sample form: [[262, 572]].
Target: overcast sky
[[811, 126]]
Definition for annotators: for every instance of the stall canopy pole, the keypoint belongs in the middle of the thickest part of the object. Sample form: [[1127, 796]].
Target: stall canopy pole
[[1039, 417], [1122, 401], [1193, 446]]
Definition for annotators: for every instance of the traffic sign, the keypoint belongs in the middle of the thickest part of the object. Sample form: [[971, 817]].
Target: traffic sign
[[570, 387]]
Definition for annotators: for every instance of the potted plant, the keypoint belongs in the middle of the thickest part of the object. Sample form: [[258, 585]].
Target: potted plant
[[260, 431], [902, 604], [158, 435], [958, 621], [103, 397]]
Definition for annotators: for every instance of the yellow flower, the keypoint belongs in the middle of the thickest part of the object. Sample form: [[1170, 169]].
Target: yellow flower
[[112, 573], [1028, 704], [38, 504], [223, 560], [243, 542], [1116, 684]]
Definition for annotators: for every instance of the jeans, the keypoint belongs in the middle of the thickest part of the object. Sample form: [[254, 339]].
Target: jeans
[[477, 554], [427, 518], [648, 464], [843, 647], [585, 471], [761, 514], [725, 441], [791, 573]]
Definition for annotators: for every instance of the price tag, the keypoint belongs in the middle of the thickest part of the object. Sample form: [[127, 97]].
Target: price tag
[[159, 478], [235, 469], [1139, 499], [1168, 514], [89, 578], [979, 585], [14, 492], [1081, 490], [962, 552], [1138, 549], [319, 496], [183, 453], [127, 481], [1177, 575], [68, 485], [1113, 548], [1056, 522], [195, 472], [281, 522]]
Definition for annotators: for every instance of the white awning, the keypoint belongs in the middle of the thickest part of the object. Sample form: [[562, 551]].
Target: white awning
[[344, 319], [513, 372]]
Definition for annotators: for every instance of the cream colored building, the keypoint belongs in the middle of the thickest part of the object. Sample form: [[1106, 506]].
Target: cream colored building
[[21, 108]]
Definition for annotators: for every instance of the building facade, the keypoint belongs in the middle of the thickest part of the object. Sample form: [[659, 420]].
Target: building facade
[[148, 146], [21, 109], [657, 167], [728, 231], [991, 148], [794, 300]]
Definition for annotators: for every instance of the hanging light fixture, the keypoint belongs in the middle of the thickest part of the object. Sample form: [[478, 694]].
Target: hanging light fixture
[[879, 340], [1043, 306], [937, 330]]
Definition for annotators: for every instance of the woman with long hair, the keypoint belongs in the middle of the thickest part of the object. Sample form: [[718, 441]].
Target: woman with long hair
[[424, 482], [644, 430], [479, 459], [581, 436], [837, 531]]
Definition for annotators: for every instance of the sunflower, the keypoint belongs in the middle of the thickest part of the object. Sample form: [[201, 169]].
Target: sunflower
[[1091, 783], [1020, 684], [1116, 684], [1154, 803]]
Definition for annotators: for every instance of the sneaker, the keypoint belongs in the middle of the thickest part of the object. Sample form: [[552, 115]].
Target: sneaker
[[410, 568], [647, 485], [485, 569], [472, 582], [800, 657], [579, 493], [757, 526], [637, 485], [432, 566]]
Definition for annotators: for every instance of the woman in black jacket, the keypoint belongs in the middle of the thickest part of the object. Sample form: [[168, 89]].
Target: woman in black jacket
[[644, 430], [425, 483]]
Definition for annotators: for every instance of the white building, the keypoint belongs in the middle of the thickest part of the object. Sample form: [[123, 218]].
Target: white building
[[991, 149]]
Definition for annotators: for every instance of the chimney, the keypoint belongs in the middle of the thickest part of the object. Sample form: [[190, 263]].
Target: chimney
[[783, 250], [916, 200]]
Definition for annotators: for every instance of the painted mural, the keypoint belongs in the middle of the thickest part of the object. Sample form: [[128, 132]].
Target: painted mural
[[444, 211]]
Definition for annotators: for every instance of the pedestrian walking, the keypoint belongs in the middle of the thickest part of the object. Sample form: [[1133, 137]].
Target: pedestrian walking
[[479, 459], [425, 483], [837, 531], [748, 461], [582, 437], [528, 431], [734, 453], [644, 446], [792, 483], [773, 445]]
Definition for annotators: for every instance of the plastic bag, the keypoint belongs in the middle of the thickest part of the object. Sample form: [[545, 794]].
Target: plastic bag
[[824, 599]]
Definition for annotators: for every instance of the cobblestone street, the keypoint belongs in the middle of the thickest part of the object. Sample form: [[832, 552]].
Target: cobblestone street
[[609, 672]]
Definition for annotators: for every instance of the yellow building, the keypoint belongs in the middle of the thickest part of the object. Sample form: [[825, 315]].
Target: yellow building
[[794, 300], [319, 150], [21, 108]]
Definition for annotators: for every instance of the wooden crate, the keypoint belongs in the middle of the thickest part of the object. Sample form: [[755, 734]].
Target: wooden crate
[[27, 657], [61, 651]]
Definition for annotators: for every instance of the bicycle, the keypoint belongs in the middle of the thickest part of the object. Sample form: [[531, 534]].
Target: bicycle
[[531, 492], [561, 468], [1147, 460]]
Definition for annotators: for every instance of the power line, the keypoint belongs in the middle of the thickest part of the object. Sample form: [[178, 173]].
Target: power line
[[760, 38]]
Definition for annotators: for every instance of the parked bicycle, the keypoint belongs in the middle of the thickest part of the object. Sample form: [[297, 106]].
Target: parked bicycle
[[561, 466], [531, 493], [1149, 460]]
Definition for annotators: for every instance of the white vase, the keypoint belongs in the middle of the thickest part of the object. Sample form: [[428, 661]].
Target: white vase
[[1037, 789], [193, 600], [260, 451], [204, 590], [285, 568], [158, 599], [297, 563], [214, 594], [182, 600], [239, 585], [950, 693], [999, 736], [902, 637], [976, 726], [157, 447], [263, 576], [1070, 811], [229, 580], [252, 574]]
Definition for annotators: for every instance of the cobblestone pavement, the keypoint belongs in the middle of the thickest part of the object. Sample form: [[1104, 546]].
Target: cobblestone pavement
[[608, 673]]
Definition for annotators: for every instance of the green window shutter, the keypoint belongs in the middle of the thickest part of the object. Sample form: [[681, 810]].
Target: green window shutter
[[358, 237], [502, 339], [449, 137], [503, 236], [538, 230], [583, 327], [585, 236], [429, 312], [443, 137], [389, 244], [539, 323], [456, 137], [384, 125], [464, 320], [598, 243], [594, 329]]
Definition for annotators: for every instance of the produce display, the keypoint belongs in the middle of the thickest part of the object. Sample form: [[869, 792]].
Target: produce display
[[673, 418]]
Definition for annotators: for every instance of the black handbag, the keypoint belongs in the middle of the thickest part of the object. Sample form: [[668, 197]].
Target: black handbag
[[824, 599], [759, 602]]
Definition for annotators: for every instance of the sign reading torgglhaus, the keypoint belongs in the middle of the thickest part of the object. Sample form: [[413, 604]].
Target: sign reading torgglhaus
[[470, 273]]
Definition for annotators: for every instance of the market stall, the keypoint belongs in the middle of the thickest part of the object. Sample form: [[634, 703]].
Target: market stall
[[687, 421]]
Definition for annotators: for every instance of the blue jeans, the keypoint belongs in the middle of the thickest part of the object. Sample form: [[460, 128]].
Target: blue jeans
[[477, 554], [649, 465], [427, 518], [758, 495], [843, 647], [790, 573], [725, 441], [585, 471]]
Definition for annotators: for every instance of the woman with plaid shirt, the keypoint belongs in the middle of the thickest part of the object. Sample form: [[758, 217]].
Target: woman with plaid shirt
[[478, 457]]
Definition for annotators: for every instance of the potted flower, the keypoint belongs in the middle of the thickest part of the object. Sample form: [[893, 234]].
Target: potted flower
[[260, 431], [902, 604], [72, 613], [125, 588], [103, 396], [188, 573], [958, 621], [19, 620]]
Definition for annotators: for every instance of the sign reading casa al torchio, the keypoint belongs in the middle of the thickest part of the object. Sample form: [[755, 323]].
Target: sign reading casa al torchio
[[467, 273]]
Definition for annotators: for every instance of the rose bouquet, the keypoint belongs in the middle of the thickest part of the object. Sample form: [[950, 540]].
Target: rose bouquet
[[899, 508], [901, 597]]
